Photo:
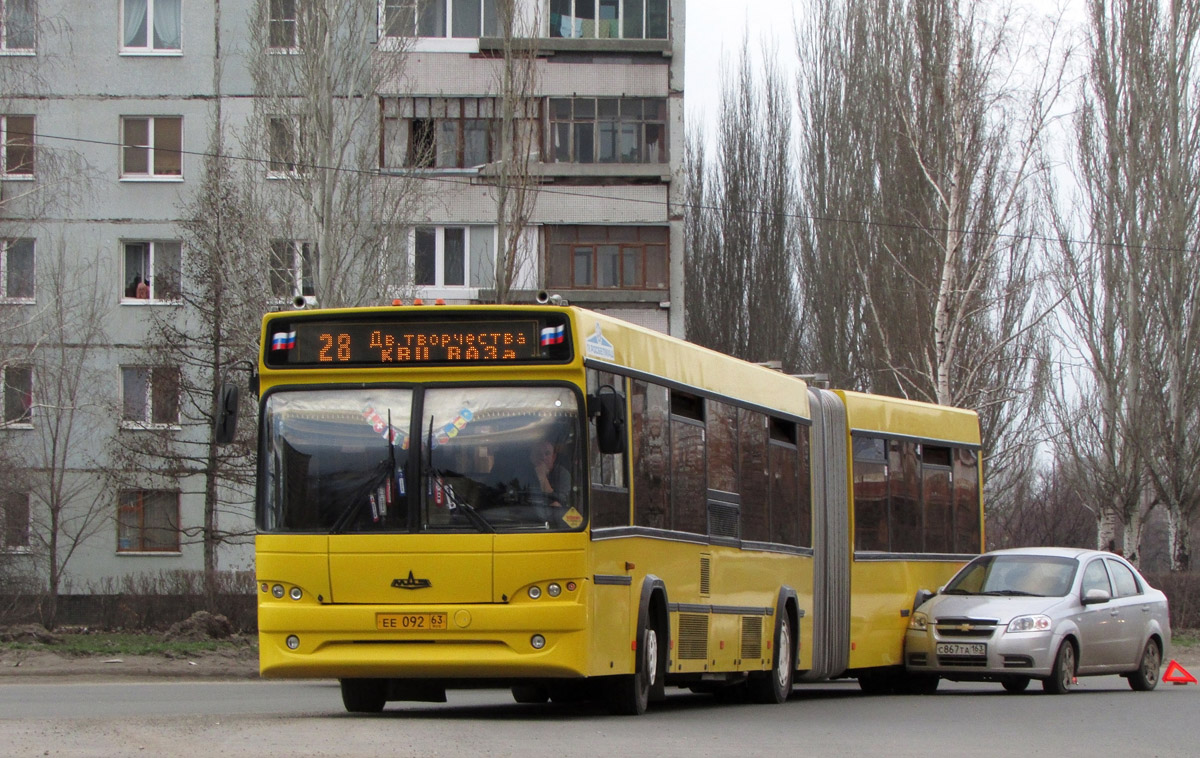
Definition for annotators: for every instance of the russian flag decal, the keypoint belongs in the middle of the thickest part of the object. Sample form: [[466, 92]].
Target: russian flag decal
[[553, 335], [283, 341]]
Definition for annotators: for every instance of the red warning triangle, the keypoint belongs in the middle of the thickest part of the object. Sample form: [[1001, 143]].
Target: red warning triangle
[[1177, 674]]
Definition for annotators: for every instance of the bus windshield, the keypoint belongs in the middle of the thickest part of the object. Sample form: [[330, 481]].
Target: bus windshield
[[481, 459]]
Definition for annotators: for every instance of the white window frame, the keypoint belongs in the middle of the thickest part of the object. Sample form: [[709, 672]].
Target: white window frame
[[148, 48], [6, 246], [444, 43], [26, 423], [302, 256], [281, 18], [147, 421], [5, 49], [621, 7], [4, 170], [152, 174], [23, 548], [141, 549], [156, 251]]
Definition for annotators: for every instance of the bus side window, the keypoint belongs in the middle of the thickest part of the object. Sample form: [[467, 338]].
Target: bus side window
[[966, 501], [609, 490], [904, 497], [651, 406], [871, 530], [755, 481]]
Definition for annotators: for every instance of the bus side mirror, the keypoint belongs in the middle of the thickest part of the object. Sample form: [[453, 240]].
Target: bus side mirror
[[225, 423], [608, 410]]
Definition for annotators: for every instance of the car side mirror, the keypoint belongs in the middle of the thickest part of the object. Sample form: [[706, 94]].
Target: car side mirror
[[608, 409], [1096, 595], [922, 596]]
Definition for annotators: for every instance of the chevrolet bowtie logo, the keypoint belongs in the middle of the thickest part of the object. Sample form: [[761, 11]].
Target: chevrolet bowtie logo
[[411, 583], [961, 627]]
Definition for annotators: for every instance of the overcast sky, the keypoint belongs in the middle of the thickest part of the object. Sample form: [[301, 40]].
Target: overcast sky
[[715, 30]]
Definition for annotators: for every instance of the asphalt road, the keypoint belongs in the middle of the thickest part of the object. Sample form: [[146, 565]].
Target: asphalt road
[[1103, 717]]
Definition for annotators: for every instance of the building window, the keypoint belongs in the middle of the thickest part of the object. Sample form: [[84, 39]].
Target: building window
[[609, 19], [294, 267], [152, 271], [607, 257], [438, 18], [454, 256], [282, 30], [15, 522], [284, 146], [150, 25], [608, 129], [16, 134], [151, 146], [449, 132], [16, 271], [17, 26], [149, 396], [18, 395], [148, 521]]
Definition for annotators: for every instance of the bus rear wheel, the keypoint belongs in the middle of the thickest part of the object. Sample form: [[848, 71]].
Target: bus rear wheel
[[364, 695]]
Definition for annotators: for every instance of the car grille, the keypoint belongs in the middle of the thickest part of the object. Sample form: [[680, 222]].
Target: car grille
[[968, 628], [978, 661]]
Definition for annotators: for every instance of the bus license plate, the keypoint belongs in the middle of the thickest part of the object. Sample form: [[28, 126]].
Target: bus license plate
[[410, 622], [961, 648]]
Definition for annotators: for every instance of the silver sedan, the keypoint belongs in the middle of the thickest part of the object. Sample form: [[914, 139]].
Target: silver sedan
[[1052, 614]]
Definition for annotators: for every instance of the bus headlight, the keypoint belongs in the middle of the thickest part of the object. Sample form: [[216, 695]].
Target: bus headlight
[[554, 590], [538, 641], [293, 642], [296, 593], [535, 592], [277, 590]]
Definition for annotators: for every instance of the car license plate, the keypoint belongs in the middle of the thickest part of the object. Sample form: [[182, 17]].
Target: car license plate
[[961, 648], [410, 622]]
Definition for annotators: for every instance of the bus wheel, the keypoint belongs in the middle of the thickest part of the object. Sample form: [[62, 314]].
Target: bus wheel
[[631, 693], [364, 695], [775, 686]]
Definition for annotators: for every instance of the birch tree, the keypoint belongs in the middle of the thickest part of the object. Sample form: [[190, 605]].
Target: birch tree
[[920, 147]]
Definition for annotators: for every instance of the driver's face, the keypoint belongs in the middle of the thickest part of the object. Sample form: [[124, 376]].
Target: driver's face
[[542, 452]]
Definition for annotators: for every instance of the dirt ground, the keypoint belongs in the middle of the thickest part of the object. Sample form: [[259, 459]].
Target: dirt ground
[[240, 662]]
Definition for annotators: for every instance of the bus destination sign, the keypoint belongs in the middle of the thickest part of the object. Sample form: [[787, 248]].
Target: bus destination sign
[[390, 343]]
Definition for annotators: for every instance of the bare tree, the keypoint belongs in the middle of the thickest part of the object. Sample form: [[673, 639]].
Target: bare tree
[[741, 284], [516, 183], [1131, 287], [62, 342], [920, 151], [317, 119]]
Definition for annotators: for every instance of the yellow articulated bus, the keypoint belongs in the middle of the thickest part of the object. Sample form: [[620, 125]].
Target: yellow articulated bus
[[552, 500]]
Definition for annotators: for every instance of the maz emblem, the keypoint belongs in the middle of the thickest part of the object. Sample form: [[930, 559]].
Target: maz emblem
[[411, 583]]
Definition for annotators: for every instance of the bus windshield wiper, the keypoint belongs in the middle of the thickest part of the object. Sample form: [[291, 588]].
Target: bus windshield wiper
[[436, 475]]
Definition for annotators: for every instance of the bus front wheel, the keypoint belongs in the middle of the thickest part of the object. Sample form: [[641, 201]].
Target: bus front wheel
[[775, 686], [630, 694], [364, 695]]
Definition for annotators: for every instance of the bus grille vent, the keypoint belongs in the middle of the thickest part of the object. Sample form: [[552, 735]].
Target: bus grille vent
[[693, 636], [705, 575], [751, 637]]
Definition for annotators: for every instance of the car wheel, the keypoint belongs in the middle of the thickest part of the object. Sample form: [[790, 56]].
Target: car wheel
[[1063, 675], [364, 695], [1015, 684], [1146, 676]]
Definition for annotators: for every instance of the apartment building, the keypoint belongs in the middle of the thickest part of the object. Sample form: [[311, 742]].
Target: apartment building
[[105, 119]]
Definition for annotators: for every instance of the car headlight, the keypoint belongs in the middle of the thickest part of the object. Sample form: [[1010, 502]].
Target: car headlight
[[918, 622], [1036, 623]]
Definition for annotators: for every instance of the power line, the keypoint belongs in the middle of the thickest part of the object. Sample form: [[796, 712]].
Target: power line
[[429, 176]]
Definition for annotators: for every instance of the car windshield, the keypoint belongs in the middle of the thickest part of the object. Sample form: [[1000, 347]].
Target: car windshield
[[1034, 575], [487, 459]]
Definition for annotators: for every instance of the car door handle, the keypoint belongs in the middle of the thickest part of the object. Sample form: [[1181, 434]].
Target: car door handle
[[1114, 612]]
